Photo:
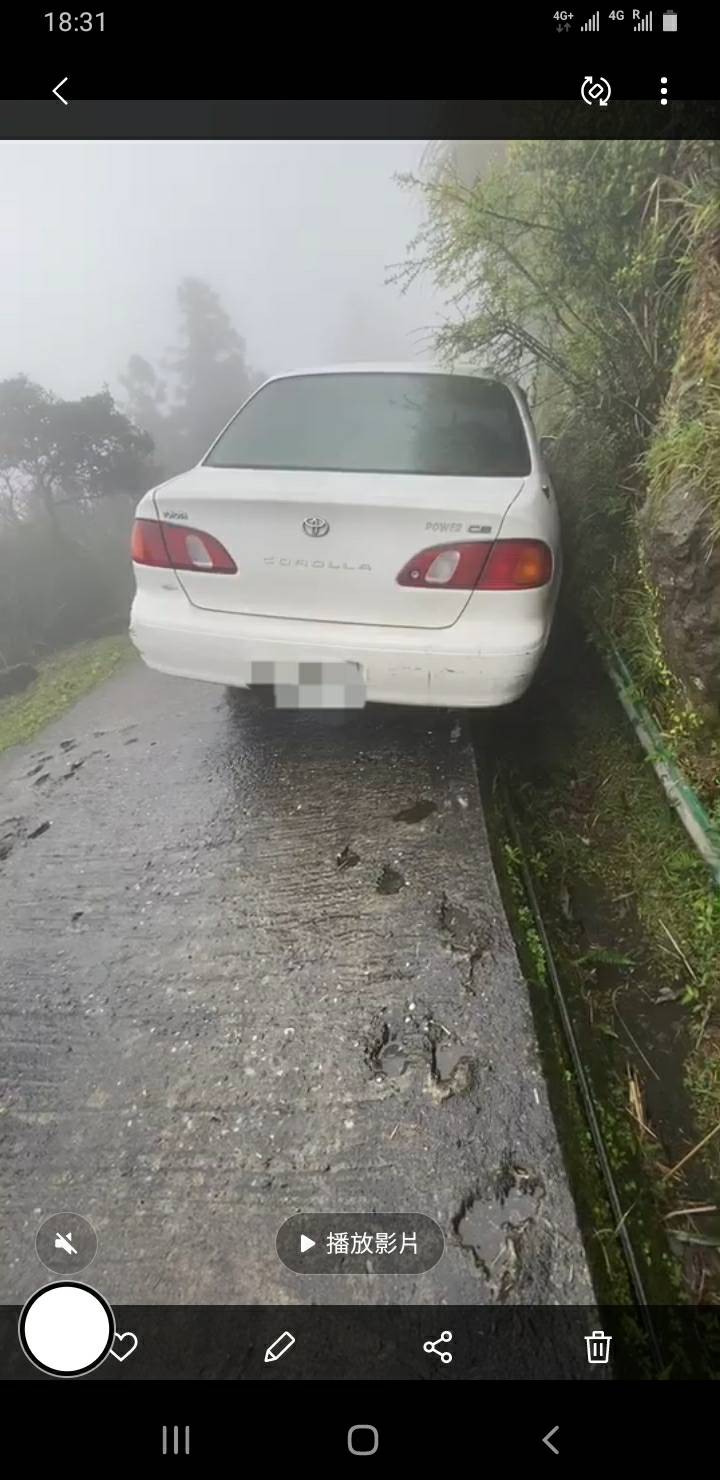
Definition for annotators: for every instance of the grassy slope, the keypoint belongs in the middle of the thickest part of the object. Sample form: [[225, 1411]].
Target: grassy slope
[[633, 914], [61, 680]]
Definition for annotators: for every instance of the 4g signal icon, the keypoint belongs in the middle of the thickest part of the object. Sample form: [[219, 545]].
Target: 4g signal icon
[[641, 21]]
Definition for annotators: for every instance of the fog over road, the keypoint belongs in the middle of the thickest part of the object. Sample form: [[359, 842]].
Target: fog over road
[[256, 963]]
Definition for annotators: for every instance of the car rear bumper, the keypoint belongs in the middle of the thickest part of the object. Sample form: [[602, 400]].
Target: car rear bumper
[[447, 667]]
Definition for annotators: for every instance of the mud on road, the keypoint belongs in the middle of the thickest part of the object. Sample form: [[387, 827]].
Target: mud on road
[[256, 963]]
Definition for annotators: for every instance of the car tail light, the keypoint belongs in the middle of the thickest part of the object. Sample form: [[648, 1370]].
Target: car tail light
[[517, 565], [506, 565], [456, 567], [176, 548]]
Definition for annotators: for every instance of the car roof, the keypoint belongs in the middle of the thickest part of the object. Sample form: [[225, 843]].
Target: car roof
[[390, 367]]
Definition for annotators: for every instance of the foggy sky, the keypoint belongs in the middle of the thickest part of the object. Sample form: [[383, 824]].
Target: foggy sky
[[295, 236]]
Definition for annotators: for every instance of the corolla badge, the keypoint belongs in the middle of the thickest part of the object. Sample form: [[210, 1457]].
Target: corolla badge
[[315, 526]]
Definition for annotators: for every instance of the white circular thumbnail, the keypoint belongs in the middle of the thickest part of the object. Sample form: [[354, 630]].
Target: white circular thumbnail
[[66, 1329]]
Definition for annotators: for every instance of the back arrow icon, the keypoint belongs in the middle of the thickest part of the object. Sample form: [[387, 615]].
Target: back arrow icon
[[58, 94], [548, 1437]]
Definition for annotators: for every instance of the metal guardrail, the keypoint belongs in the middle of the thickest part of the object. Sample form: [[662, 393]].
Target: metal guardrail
[[680, 794]]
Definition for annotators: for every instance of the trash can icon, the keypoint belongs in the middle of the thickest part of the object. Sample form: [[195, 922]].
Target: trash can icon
[[598, 1348]]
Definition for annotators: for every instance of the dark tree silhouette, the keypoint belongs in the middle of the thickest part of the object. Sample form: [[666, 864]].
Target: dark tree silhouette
[[53, 450], [207, 379]]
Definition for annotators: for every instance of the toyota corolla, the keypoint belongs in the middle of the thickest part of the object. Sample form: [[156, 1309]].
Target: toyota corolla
[[376, 532]]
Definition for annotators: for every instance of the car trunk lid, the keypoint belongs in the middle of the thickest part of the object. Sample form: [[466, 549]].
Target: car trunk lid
[[328, 546]]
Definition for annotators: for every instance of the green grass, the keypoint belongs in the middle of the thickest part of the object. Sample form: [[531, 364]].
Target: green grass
[[609, 1272], [632, 619], [605, 819], [631, 910], [641, 848], [61, 680]]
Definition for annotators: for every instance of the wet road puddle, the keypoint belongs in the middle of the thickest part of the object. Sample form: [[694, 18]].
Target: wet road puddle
[[491, 1228], [416, 813], [390, 881]]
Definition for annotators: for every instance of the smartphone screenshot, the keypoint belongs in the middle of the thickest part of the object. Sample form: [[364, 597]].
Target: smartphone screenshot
[[359, 758]]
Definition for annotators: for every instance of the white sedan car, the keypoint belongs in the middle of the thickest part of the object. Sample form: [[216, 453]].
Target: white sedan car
[[374, 532]]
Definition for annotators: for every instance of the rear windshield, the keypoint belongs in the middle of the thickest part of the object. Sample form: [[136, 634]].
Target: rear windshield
[[386, 423]]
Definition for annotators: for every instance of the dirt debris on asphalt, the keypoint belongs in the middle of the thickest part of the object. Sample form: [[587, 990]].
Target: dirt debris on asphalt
[[256, 963]]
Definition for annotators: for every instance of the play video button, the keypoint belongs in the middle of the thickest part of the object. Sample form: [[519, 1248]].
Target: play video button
[[359, 1243]]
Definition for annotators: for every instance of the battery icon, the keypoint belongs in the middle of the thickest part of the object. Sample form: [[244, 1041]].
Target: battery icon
[[669, 20]]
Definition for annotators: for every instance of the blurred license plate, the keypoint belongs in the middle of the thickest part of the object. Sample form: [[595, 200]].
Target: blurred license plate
[[328, 685]]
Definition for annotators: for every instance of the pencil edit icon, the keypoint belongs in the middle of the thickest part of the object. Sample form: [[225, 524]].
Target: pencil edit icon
[[278, 1348]]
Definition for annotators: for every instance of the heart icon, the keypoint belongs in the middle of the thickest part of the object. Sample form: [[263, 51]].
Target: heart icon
[[127, 1339]]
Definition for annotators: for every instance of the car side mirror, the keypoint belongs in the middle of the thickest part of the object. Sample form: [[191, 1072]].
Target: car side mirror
[[546, 447]]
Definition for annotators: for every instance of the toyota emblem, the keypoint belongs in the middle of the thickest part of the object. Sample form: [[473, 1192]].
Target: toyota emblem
[[316, 527]]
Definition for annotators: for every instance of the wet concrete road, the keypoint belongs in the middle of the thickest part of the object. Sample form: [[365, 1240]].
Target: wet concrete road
[[256, 963]]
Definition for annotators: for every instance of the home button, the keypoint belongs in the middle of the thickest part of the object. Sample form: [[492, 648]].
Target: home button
[[363, 1438]]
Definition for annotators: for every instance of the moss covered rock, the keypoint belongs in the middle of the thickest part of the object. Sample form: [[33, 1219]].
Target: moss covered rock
[[682, 559], [680, 522]]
